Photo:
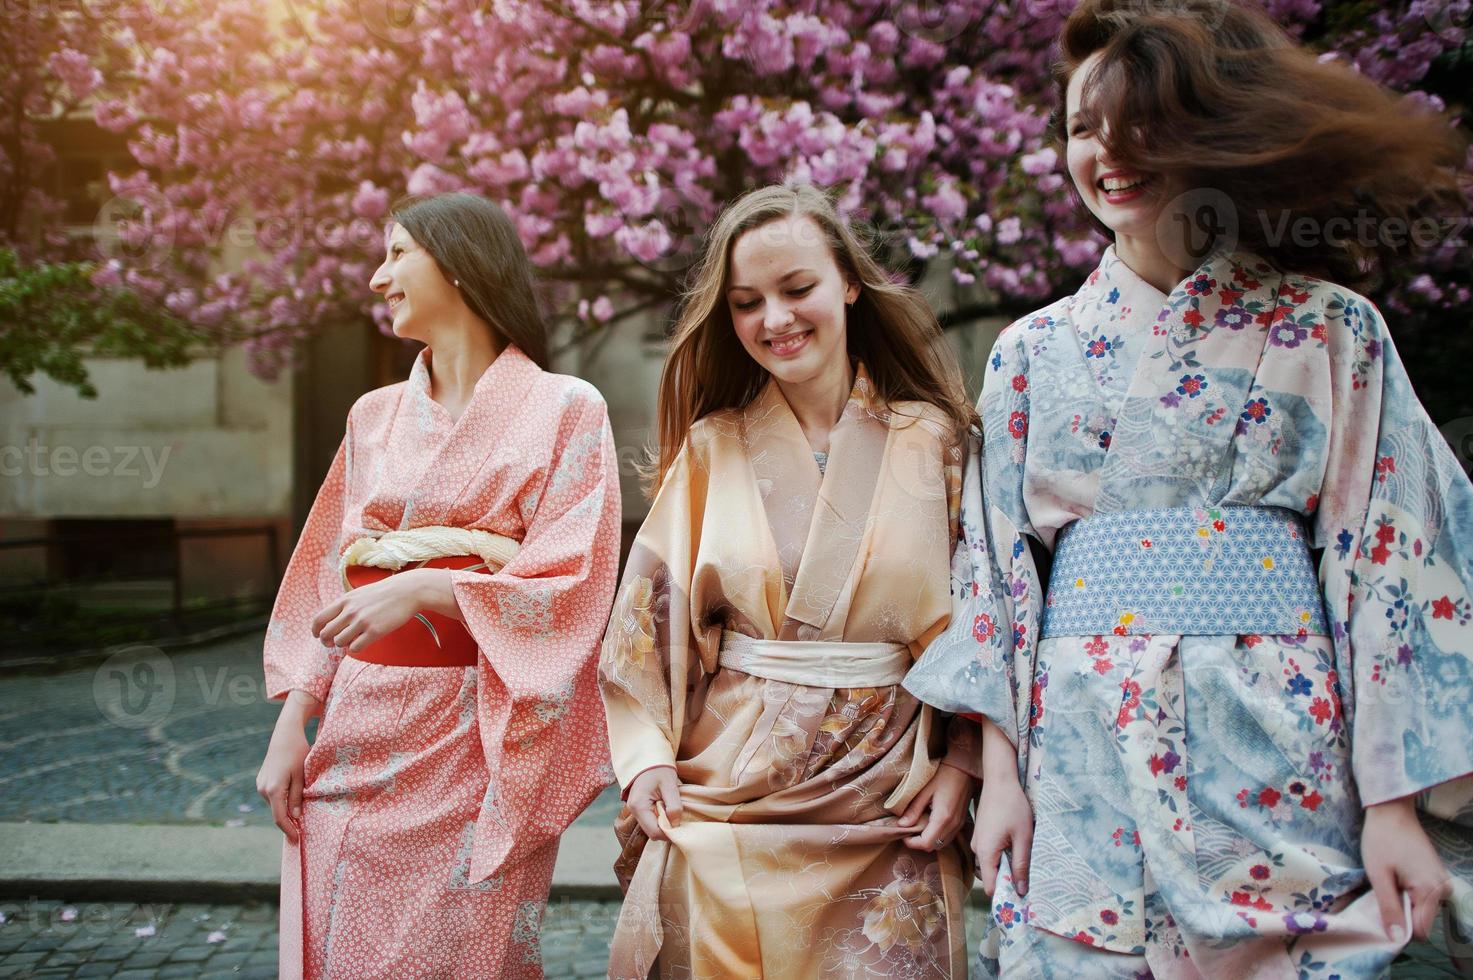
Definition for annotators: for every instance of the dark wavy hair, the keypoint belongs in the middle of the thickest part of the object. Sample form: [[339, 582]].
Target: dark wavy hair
[[1213, 96], [473, 241]]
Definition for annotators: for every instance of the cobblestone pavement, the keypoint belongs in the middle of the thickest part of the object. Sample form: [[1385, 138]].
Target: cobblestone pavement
[[155, 738], [133, 942], [212, 942], [147, 738]]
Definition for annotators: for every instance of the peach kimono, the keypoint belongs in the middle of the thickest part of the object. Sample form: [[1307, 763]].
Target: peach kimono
[[767, 615], [435, 795]]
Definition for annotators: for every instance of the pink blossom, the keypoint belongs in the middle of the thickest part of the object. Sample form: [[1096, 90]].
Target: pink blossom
[[1424, 286], [76, 71], [430, 179], [761, 41], [115, 115], [946, 203], [577, 103], [601, 225], [920, 249], [1079, 253], [370, 201], [443, 121], [1039, 162], [613, 132], [645, 242], [108, 275]]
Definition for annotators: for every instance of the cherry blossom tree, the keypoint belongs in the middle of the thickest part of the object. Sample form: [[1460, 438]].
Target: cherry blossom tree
[[54, 59], [51, 62], [271, 141]]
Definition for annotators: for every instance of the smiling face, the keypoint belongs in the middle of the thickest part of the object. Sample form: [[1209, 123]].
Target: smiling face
[[786, 295], [417, 292], [1127, 202]]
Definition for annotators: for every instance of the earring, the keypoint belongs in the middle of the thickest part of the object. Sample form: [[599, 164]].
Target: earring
[[457, 282]]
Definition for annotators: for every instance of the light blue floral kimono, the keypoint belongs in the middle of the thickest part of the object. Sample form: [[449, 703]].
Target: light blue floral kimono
[[1198, 798]]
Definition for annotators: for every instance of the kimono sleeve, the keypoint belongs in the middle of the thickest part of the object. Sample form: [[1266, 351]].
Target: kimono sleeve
[[1395, 520], [537, 622], [963, 731], [650, 651], [294, 659], [983, 663]]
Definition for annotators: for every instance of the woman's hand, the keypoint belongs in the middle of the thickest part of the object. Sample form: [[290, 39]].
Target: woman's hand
[[945, 795], [658, 785], [369, 613], [1004, 823], [1399, 858], [1004, 816], [282, 776]]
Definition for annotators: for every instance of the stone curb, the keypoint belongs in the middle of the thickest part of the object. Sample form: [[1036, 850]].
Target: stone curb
[[191, 863]]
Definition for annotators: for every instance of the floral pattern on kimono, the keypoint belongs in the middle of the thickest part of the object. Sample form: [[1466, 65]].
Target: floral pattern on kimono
[[788, 861], [1198, 799]]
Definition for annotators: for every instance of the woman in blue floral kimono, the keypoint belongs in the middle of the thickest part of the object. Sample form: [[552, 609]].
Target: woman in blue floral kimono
[[1241, 707]]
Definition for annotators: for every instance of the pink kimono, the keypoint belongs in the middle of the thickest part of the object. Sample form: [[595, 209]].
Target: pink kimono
[[435, 796]]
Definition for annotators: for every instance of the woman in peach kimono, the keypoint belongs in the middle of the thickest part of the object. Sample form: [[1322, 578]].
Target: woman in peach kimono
[[788, 815], [444, 602]]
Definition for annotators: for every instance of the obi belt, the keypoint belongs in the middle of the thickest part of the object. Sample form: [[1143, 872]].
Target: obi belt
[[428, 639], [816, 663], [1185, 571]]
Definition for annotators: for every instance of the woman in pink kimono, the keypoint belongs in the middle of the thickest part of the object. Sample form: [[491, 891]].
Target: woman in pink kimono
[[1242, 708], [789, 813], [441, 612]]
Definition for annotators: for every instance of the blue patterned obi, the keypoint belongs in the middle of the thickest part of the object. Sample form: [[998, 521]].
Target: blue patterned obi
[[1187, 571]]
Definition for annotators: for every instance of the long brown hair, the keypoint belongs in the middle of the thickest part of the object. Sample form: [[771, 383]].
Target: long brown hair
[[890, 328], [1216, 98], [473, 241]]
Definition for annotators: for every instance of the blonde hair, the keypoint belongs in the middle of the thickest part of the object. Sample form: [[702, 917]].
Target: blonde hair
[[890, 329]]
